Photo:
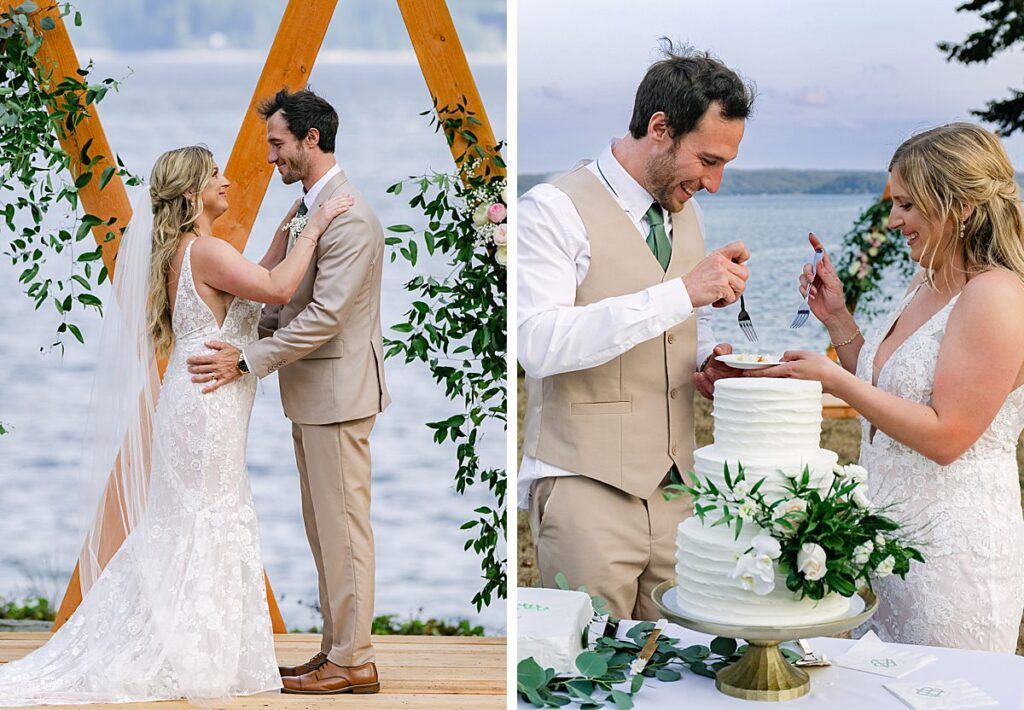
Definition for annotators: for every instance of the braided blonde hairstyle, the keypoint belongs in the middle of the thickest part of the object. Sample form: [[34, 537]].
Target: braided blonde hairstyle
[[176, 172], [950, 168]]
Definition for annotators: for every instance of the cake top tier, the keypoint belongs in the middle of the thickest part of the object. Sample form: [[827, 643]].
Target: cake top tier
[[760, 415]]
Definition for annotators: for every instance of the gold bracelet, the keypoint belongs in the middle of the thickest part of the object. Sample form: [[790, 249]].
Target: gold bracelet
[[849, 340], [303, 236]]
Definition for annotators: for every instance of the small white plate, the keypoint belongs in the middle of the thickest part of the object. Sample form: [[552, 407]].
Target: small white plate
[[748, 362]]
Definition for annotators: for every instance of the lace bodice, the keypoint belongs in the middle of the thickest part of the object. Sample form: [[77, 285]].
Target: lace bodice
[[181, 609], [967, 515]]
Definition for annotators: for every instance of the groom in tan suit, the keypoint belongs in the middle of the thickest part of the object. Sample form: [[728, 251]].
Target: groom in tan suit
[[326, 343]]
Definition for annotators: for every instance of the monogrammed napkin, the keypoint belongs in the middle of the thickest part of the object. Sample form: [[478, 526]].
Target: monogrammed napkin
[[871, 655], [944, 694]]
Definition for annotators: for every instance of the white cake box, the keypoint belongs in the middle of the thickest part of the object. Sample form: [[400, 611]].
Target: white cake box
[[552, 627]]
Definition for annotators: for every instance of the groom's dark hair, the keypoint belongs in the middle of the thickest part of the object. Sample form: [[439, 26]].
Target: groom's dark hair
[[683, 85], [303, 110]]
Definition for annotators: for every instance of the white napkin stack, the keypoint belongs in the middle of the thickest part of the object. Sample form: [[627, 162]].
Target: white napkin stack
[[872, 655], [940, 694]]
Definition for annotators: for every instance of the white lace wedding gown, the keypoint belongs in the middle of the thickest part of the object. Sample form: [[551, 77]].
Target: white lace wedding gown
[[970, 591], [180, 610]]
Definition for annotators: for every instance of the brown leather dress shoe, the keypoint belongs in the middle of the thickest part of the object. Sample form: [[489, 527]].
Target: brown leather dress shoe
[[331, 679], [311, 665]]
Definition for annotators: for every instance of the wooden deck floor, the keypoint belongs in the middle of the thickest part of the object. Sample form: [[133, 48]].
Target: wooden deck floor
[[417, 672]]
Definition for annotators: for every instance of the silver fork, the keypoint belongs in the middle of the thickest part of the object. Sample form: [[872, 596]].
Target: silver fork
[[804, 312], [745, 325]]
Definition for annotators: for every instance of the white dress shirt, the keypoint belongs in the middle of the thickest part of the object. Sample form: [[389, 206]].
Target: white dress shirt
[[310, 197], [553, 256]]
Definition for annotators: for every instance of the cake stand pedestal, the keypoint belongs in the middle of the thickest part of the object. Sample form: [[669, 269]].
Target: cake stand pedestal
[[763, 673]]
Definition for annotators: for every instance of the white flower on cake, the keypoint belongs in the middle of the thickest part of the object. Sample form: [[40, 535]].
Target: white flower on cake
[[860, 498], [765, 544], [740, 489], [862, 553], [885, 567], [747, 509], [754, 576], [810, 561]]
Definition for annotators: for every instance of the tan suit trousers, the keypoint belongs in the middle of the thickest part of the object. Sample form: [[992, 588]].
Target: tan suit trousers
[[617, 545], [334, 475]]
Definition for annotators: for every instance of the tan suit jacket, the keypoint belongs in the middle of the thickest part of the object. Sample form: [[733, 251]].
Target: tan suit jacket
[[327, 341]]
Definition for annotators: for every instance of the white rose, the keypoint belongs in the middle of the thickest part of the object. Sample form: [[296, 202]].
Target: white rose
[[879, 540], [885, 567], [839, 471], [857, 473], [504, 194], [741, 489], [862, 553], [480, 214], [747, 509], [501, 254], [810, 561], [765, 544]]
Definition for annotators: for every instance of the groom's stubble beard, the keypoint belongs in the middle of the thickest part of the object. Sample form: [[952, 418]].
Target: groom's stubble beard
[[296, 168], [660, 176]]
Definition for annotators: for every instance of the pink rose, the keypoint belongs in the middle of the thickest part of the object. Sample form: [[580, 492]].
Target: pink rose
[[501, 235], [496, 213]]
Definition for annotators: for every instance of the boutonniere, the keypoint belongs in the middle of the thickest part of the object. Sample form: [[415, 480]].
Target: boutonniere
[[297, 224]]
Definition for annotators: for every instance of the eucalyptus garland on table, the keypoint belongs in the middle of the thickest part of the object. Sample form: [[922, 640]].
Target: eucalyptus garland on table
[[867, 251], [36, 111], [611, 672], [822, 542], [457, 325]]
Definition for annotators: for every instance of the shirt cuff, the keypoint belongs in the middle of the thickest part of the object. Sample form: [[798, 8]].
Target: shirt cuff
[[671, 300]]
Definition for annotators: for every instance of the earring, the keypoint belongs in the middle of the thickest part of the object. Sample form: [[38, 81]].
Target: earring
[[963, 226]]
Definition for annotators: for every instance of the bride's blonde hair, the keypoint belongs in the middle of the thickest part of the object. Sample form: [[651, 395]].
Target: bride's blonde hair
[[960, 165], [175, 173]]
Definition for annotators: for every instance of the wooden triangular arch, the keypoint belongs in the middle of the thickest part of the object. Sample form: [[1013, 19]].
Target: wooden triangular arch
[[291, 58]]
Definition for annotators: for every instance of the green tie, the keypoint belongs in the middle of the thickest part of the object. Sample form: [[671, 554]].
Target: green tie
[[302, 209], [657, 239]]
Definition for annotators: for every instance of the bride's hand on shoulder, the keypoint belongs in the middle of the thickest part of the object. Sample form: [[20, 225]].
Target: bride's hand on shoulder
[[827, 300], [804, 365], [327, 212]]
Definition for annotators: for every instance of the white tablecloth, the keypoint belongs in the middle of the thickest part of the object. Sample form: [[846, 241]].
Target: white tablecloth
[[834, 688]]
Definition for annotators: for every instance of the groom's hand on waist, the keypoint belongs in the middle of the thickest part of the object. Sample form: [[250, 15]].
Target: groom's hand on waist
[[217, 369], [719, 278]]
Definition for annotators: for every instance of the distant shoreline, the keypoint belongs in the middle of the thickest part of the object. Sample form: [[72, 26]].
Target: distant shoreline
[[780, 182]]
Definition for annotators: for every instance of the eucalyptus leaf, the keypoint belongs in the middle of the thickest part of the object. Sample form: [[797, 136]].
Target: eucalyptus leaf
[[591, 665]]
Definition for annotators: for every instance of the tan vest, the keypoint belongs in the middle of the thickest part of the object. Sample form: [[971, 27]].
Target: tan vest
[[625, 422]]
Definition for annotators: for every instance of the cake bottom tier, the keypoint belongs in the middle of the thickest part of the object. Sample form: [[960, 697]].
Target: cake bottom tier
[[705, 560]]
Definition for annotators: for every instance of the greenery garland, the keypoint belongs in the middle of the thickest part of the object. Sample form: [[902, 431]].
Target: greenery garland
[[457, 325], [867, 252], [36, 173], [605, 671]]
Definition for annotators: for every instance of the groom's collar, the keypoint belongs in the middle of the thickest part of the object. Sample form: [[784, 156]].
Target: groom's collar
[[310, 197], [631, 195]]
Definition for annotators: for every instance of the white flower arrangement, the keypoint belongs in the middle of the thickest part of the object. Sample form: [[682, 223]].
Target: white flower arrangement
[[820, 538]]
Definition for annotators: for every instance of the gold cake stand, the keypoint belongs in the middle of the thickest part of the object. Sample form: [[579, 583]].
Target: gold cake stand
[[763, 672]]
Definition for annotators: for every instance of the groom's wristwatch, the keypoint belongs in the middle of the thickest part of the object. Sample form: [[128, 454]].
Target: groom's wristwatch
[[243, 366]]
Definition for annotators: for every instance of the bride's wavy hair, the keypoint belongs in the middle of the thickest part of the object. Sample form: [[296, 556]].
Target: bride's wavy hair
[[175, 173], [957, 166]]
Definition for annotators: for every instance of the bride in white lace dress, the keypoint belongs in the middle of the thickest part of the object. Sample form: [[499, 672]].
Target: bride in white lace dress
[[180, 609], [940, 391]]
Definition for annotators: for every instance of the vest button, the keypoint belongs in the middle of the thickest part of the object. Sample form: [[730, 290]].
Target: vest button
[[671, 338], [672, 393], [675, 449]]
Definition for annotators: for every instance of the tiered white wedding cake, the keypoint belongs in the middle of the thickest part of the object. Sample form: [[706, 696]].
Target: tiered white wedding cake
[[773, 427]]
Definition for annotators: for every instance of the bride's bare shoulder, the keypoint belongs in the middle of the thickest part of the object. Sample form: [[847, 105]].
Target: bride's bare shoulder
[[993, 293]]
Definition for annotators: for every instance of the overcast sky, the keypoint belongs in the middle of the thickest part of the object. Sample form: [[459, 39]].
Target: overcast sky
[[840, 84]]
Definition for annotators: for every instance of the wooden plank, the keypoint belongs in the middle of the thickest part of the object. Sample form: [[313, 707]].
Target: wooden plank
[[416, 672], [444, 64], [291, 57]]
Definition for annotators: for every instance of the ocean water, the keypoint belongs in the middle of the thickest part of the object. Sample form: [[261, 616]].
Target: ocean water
[[774, 229], [172, 100]]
